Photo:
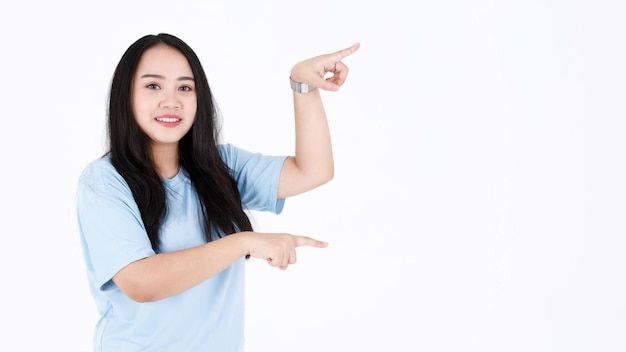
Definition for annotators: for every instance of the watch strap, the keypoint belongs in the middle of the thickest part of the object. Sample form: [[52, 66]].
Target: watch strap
[[301, 87]]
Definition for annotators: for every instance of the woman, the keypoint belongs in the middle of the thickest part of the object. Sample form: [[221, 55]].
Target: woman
[[162, 214]]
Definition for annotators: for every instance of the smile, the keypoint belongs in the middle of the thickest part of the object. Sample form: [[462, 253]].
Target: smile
[[167, 119]]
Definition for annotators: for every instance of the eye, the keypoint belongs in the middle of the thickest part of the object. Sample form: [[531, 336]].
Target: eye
[[153, 86], [185, 88]]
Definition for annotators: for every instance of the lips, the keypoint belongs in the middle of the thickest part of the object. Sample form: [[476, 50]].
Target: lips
[[168, 120]]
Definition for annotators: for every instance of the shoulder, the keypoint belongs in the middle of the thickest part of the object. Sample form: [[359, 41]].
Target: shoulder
[[100, 174], [98, 168], [226, 150], [232, 154]]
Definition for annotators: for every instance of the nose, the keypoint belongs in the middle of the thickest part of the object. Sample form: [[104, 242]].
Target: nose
[[170, 101]]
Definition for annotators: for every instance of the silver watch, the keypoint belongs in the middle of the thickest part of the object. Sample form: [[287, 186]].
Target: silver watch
[[301, 87]]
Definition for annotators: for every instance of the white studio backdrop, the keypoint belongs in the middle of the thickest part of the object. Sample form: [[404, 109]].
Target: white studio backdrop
[[479, 196]]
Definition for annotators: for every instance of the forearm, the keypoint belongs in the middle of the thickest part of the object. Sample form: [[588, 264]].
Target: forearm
[[167, 274], [313, 159]]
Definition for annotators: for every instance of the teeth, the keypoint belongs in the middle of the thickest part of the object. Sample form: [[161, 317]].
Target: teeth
[[167, 119]]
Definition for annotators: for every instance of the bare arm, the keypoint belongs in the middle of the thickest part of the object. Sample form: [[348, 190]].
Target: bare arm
[[167, 274], [313, 165]]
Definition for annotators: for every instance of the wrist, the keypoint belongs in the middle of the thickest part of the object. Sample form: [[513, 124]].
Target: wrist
[[301, 87], [243, 242]]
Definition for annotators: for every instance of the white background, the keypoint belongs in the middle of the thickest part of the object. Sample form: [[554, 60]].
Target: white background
[[479, 200]]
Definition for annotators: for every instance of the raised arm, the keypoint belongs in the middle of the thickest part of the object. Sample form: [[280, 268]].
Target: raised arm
[[313, 165]]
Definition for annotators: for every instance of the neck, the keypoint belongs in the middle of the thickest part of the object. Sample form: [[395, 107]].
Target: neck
[[165, 159]]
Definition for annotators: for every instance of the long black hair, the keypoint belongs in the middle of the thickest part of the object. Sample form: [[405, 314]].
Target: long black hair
[[130, 150]]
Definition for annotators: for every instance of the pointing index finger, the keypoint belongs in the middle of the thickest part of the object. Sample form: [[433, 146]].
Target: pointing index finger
[[302, 241], [339, 55]]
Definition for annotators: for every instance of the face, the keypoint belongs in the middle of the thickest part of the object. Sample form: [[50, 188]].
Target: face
[[164, 95]]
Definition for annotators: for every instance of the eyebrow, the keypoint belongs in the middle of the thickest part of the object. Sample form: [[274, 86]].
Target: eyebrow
[[181, 78]]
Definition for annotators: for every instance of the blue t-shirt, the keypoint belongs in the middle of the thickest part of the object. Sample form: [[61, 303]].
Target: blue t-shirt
[[206, 317]]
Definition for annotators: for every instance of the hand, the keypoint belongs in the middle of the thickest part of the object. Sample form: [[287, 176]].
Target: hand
[[314, 70], [279, 249]]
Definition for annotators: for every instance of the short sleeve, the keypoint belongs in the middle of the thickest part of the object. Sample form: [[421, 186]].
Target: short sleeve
[[110, 225], [257, 177]]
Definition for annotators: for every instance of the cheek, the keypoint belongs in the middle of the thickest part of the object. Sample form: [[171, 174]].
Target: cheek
[[141, 108], [192, 108], [135, 105]]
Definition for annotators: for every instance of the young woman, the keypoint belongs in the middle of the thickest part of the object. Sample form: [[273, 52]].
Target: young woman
[[162, 215]]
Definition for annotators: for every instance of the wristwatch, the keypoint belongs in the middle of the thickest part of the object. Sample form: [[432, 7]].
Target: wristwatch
[[301, 87]]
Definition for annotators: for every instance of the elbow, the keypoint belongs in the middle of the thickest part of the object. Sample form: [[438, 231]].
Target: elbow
[[137, 290], [138, 295], [326, 176], [141, 298], [330, 175], [317, 177]]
